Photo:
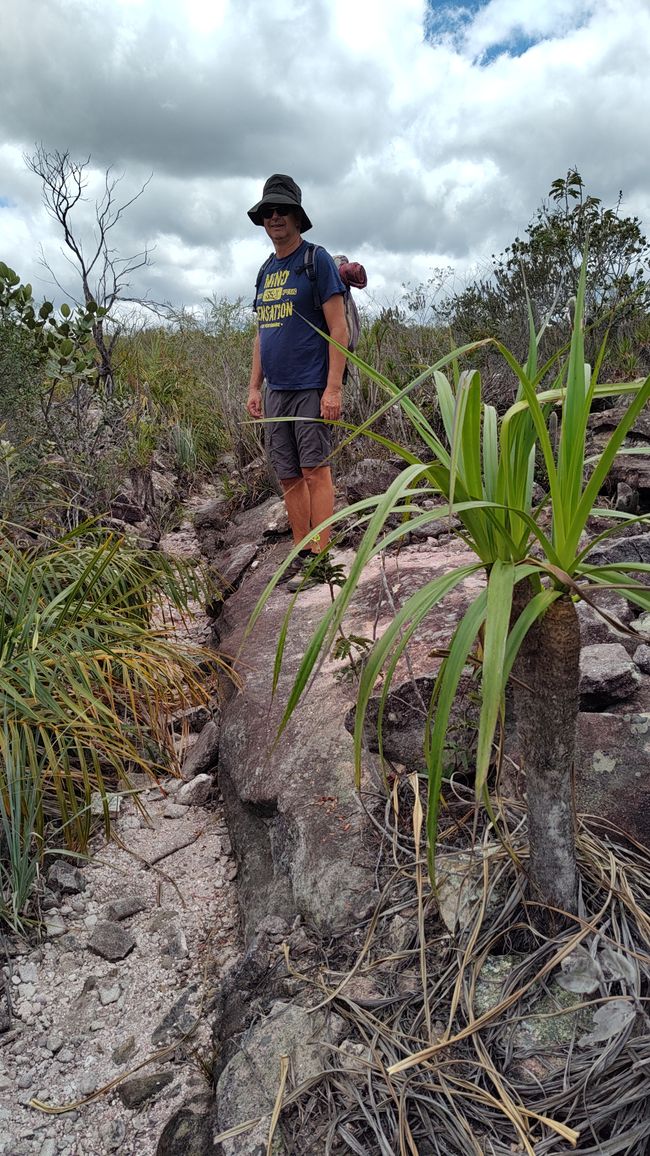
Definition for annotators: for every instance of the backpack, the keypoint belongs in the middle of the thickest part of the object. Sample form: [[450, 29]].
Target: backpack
[[352, 275]]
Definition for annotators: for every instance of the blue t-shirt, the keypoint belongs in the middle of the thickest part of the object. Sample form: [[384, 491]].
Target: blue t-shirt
[[293, 355]]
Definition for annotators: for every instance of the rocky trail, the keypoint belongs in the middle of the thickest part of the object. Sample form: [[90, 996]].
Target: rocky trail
[[107, 1020], [119, 991], [162, 970]]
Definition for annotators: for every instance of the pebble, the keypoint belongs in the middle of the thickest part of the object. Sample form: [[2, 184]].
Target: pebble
[[113, 1135], [135, 1092], [54, 1043], [49, 1148], [175, 811], [123, 1052], [124, 907], [176, 945], [111, 940], [196, 792], [108, 993], [54, 926]]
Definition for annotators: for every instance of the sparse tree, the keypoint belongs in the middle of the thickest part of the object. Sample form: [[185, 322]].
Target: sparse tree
[[104, 275], [546, 263]]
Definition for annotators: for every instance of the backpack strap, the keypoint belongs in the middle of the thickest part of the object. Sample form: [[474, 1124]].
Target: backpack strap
[[309, 267], [260, 275]]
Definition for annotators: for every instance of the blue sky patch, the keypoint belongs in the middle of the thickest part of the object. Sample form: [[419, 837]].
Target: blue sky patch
[[4, 202], [450, 20]]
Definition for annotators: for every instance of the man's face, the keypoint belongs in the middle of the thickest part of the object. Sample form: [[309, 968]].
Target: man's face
[[281, 223]]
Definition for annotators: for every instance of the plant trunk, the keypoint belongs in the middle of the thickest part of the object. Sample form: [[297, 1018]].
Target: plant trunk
[[546, 700]]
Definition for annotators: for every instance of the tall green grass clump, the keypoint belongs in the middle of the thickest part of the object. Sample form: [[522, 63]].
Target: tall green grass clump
[[89, 674]]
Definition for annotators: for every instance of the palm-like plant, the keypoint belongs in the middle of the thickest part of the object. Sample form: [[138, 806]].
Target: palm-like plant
[[536, 561], [88, 676]]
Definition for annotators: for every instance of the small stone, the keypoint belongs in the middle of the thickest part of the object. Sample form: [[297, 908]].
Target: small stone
[[67, 879], [123, 1052], [113, 1135], [129, 823], [54, 926], [25, 1080], [175, 811], [65, 1056], [176, 945], [137, 1091], [178, 1021], [48, 1148], [161, 919], [196, 792], [111, 941], [50, 900], [28, 972], [54, 1043], [90, 921], [108, 993], [642, 657], [27, 990], [78, 904], [5, 1083], [113, 803], [123, 908], [202, 756]]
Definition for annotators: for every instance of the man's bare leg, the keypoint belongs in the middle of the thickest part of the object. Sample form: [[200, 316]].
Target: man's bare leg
[[319, 484], [296, 499], [309, 500]]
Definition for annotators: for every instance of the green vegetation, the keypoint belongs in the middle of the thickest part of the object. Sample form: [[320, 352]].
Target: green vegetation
[[535, 562], [88, 678], [94, 407]]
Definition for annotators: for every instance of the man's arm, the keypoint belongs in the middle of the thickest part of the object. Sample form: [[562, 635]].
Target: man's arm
[[254, 402], [334, 311]]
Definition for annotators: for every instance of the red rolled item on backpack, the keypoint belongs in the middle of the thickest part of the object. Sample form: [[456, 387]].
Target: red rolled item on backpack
[[353, 275]]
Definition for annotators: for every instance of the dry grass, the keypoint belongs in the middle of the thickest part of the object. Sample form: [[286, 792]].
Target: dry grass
[[445, 1062]]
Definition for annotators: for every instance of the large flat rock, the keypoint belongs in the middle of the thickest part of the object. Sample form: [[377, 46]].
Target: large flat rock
[[613, 770], [300, 830]]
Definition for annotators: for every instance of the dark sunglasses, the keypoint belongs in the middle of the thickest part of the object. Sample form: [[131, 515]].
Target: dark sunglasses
[[267, 211]]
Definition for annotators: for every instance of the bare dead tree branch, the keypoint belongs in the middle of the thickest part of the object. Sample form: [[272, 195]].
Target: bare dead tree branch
[[104, 275]]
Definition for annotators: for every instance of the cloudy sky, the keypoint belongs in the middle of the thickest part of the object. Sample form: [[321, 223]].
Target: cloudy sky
[[423, 134]]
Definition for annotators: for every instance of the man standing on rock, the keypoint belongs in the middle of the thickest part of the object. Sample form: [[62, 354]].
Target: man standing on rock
[[298, 284]]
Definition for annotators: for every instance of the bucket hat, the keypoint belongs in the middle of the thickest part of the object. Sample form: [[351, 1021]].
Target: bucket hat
[[280, 190]]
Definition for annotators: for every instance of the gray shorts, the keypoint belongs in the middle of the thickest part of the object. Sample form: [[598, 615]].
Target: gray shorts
[[292, 445]]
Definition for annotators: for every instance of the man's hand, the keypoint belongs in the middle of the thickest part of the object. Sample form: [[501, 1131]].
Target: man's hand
[[330, 403], [254, 402]]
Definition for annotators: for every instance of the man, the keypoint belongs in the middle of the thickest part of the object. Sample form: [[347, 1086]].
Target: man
[[303, 372]]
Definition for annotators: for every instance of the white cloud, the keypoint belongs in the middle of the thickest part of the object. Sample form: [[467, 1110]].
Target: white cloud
[[411, 154]]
